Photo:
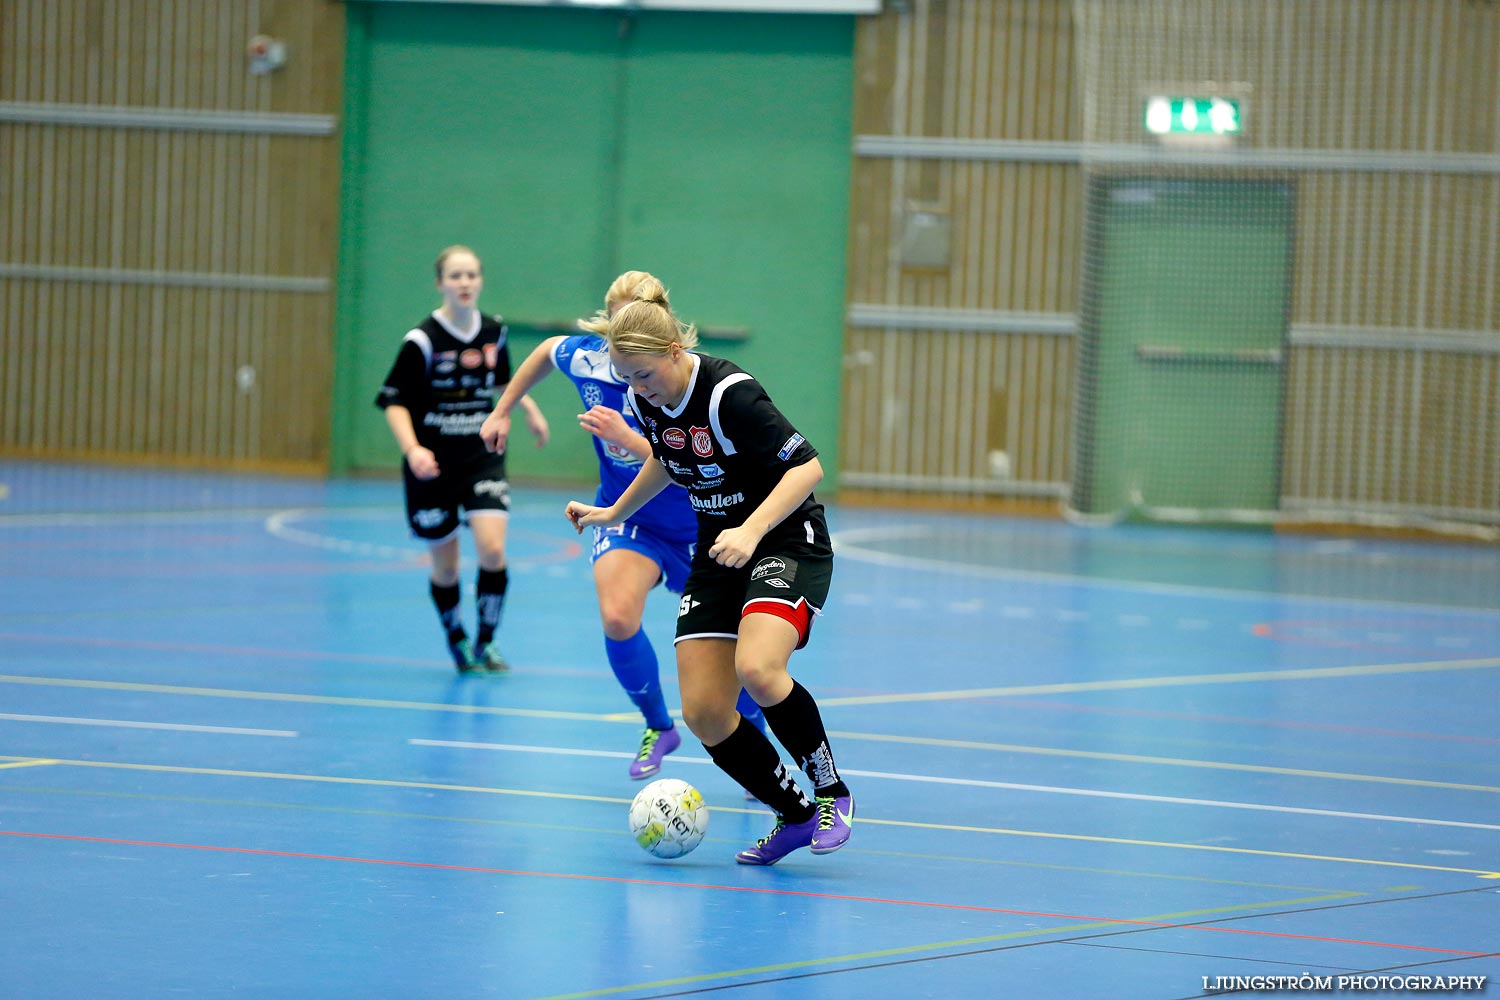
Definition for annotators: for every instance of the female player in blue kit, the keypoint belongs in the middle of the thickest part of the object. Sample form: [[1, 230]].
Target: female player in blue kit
[[629, 559]]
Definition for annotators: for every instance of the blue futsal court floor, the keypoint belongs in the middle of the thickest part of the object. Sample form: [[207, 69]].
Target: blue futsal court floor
[[1089, 763]]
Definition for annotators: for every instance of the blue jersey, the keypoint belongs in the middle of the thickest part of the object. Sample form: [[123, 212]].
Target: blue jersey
[[584, 358]]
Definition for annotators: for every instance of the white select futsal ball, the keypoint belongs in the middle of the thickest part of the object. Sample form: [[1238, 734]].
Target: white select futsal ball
[[668, 818]]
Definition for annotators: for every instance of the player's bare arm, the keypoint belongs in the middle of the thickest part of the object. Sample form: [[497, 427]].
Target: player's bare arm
[[650, 481], [424, 464], [735, 546], [608, 424], [538, 365]]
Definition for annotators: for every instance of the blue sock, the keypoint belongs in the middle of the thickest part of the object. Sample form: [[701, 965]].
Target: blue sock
[[634, 663], [751, 711]]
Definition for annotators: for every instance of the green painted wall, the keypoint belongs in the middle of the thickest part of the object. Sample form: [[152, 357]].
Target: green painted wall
[[1185, 325], [567, 146]]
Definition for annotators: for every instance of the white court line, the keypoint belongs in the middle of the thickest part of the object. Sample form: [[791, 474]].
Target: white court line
[[845, 544], [124, 724], [278, 525], [981, 783]]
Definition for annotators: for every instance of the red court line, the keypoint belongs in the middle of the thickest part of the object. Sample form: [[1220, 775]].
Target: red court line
[[433, 866]]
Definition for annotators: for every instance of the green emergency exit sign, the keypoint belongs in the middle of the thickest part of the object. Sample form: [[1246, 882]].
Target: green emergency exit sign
[[1192, 116]]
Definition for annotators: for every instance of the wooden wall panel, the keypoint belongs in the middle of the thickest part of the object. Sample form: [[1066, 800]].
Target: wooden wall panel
[[971, 70], [168, 229], [1383, 114], [1394, 431]]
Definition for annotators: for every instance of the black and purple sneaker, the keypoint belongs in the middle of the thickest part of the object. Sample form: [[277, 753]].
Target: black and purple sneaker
[[835, 823]]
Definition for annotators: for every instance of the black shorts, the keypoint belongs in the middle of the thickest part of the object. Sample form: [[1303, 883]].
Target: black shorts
[[432, 505], [789, 578]]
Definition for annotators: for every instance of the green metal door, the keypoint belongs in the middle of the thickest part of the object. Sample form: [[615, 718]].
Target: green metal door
[[1184, 325]]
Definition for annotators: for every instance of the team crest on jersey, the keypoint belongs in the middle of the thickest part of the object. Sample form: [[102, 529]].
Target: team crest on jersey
[[471, 358], [592, 394], [491, 355], [673, 437], [703, 442]]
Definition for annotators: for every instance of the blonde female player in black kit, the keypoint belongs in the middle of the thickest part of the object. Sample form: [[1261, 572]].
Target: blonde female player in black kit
[[439, 390], [760, 571]]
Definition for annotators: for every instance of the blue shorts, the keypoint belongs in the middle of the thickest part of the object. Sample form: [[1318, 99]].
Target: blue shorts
[[674, 556]]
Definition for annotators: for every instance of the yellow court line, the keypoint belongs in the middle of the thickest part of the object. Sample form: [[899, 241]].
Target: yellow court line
[[28, 763], [620, 717], [614, 830], [955, 828], [1124, 684], [1165, 919], [1178, 846], [1130, 758], [310, 699], [1139, 683]]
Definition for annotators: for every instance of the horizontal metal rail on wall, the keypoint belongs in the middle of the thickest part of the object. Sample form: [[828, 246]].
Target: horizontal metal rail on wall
[[168, 279], [1133, 154], [872, 315], [180, 119], [866, 315], [1397, 339], [946, 484]]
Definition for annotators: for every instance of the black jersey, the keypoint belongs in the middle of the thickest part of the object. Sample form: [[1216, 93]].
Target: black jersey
[[729, 445], [447, 378]]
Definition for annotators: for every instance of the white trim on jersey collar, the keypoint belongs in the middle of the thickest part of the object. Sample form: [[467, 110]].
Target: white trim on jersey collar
[[713, 409], [692, 381], [466, 337]]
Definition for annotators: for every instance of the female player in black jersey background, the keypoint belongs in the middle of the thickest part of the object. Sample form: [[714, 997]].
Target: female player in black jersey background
[[438, 392], [760, 571]]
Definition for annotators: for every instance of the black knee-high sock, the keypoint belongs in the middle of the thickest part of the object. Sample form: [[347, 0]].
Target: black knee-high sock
[[749, 758], [446, 601], [490, 594], [798, 725]]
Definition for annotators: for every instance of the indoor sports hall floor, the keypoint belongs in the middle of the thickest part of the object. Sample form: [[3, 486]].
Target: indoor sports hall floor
[[1089, 763]]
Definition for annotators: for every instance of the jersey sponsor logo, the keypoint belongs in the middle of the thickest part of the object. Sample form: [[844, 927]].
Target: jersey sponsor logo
[[710, 471], [703, 442], [716, 504], [443, 367], [471, 358], [791, 445], [768, 566], [590, 364], [429, 518], [620, 453], [592, 394], [454, 423], [686, 604], [678, 468], [491, 355], [673, 437], [497, 488]]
